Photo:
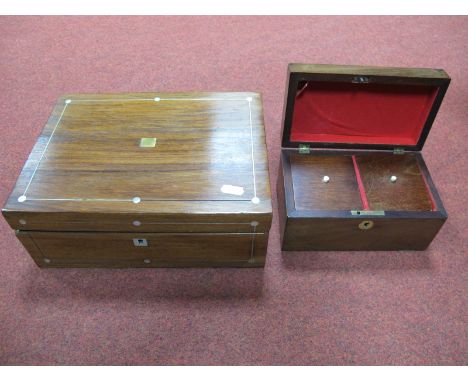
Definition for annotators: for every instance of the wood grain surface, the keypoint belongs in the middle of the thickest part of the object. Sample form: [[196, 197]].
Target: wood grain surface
[[344, 234], [187, 172], [312, 193], [88, 161], [117, 250], [405, 227], [407, 193], [368, 70]]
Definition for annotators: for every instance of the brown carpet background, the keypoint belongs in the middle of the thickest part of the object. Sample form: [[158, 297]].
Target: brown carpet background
[[303, 308]]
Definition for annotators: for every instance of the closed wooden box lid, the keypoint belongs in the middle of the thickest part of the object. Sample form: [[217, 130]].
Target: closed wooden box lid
[[147, 161]]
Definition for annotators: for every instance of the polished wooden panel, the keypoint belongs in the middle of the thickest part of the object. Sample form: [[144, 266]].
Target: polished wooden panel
[[369, 70], [306, 230], [88, 162], [311, 193], [126, 222], [95, 151], [344, 234], [113, 167], [117, 250], [408, 193]]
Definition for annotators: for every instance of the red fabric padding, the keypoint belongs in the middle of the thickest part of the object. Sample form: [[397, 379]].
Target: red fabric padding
[[361, 113]]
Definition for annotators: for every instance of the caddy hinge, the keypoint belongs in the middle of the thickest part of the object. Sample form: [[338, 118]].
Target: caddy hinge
[[304, 149], [398, 151]]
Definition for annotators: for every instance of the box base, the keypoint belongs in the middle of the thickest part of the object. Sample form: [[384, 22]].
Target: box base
[[343, 215], [391, 234], [144, 250]]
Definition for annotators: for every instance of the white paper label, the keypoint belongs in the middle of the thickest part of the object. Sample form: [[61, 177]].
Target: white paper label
[[233, 190]]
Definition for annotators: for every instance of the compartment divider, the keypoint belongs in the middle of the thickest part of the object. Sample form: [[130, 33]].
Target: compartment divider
[[362, 191]]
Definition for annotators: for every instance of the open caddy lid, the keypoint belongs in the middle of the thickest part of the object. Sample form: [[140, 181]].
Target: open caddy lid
[[360, 107]]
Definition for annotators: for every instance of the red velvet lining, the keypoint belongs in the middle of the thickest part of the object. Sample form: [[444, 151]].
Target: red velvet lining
[[362, 190], [361, 113]]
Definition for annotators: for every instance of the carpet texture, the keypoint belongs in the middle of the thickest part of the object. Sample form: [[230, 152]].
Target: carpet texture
[[303, 308]]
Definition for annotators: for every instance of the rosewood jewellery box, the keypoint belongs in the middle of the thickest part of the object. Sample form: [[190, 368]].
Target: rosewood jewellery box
[[352, 176], [146, 180]]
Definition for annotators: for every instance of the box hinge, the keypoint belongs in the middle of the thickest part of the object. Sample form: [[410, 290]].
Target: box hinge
[[398, 151], [304, 149]]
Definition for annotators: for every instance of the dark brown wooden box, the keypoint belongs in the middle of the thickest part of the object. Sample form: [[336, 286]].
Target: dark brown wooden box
[[146, 180], [351, 175]]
